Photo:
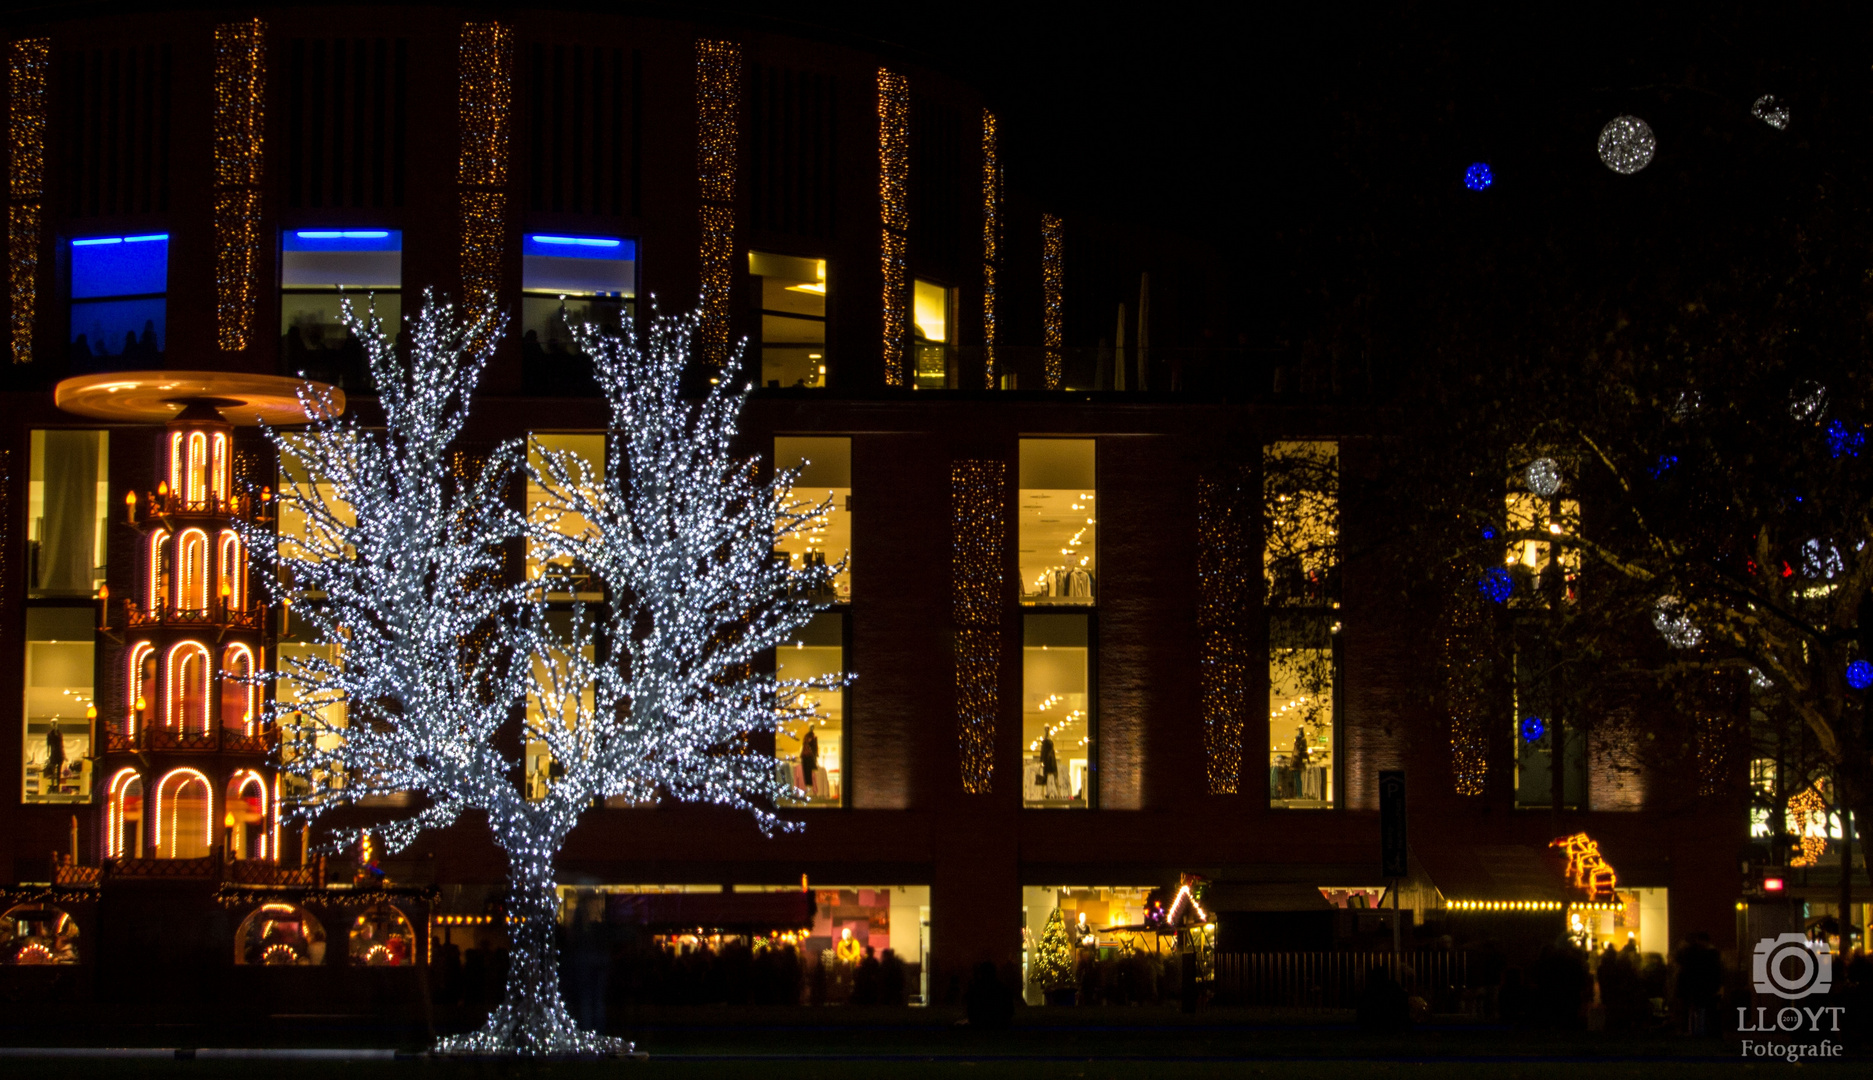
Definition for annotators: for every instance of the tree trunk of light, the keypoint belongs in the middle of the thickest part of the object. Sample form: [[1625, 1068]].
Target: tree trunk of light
[[532, 1018]]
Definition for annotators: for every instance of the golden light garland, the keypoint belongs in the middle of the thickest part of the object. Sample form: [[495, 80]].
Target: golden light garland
[[484, 216], [1052, 331], [1805, 807], [718, 141], [1465, 694], [893, 214], [991, 241], [240, 144], [1224, 571], [1586, 867], [27, 63], [978, 494], [486, 120]]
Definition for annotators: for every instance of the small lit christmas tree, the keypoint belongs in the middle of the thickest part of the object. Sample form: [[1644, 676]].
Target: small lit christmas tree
[[1052, 965]]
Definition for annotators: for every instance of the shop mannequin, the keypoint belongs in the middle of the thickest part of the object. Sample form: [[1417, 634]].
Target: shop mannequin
[[809, 758]]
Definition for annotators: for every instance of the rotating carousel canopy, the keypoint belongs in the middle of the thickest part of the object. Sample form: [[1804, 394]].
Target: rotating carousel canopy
[[156, 396]]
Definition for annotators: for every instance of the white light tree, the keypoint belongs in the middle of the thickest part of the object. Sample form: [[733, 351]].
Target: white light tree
[[443, 659]]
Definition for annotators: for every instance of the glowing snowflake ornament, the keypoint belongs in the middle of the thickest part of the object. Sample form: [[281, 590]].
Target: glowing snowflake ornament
[[1627, 145], [1770, 110], [1543, 476], [1674, 625]]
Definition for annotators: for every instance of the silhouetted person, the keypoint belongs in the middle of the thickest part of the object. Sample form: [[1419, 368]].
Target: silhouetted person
[[890, 979], [988, 1002], [1383, 1005], [865, 978]]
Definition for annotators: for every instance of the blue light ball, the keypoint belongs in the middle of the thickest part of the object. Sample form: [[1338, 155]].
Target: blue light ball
[[1496, 584], [1860, 674], [1477, 176], [1533, 728]]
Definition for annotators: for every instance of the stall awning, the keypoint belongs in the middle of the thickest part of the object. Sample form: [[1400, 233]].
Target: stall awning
[[1496, 872], [723, 912]]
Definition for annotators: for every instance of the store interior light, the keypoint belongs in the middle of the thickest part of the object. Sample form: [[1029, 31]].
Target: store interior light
[[94, 241], [578, 241], [348, 234], [1772, 884]]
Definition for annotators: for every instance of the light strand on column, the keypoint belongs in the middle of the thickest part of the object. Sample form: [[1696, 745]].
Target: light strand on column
[[240, 134], [27, 63], [1225, 574], [978, 492], [1051, 282], [718, 140], [991, 242], [486, 121], [893, 214]]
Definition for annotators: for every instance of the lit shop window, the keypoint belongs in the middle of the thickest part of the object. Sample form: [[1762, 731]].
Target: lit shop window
[[563, 578], [301, 487], [118, 294], [280, 935], [561, 705], [319, 269], [573, 281], [1540, 729], [59, 705], [933, 309], [381, 937], [37, 933], [791, 296], [1057, 729], [301, 689], [1300, 569], [1058, 526], [811, 755], [825, 479], [184, 812], [68, 500]]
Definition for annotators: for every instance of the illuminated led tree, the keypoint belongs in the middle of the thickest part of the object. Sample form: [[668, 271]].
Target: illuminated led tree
[[652, 696]]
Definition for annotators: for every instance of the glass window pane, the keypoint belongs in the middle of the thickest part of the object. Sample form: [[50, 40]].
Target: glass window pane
[[930, 310], [540, 713], [1527, 559], [1058, 527], [330, 258], [119, 327], [825, 478], [811, 755], [931, 354], [118, 266], [60, 645], [68, 502], [297, 479], [791, 294], [564, 579], [1301, 508], [1056, 712], [1301, 673], [579, 265]]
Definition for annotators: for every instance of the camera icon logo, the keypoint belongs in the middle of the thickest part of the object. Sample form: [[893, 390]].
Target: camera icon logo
[[1791, 967]]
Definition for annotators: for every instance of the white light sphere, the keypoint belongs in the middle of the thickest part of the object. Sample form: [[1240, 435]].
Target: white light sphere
[[1543, 476], [1626, 145], [1674, 625], [1770, 110]]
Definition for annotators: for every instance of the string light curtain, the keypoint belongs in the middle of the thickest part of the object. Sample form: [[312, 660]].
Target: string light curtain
[[240, 145], [1466, 649], [486, 119], [893, 213], [718, 139], [1225, 586], [991, 242], [27, 62], [978, 496], [1051, 279]]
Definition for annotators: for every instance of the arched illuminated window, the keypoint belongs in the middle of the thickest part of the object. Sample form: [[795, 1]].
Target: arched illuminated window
[[280, 935], [162, 571], [218, 467], [233, 568], [381, 937], [187, 702], [246, 815], [140, 682], [178, 479], [198, 468], [185, 822], [124, 807], [33, 934], [240, 700], [192, 554]]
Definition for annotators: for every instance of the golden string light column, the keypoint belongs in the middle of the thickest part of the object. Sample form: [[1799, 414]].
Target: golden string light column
[[893, 214], [240, 145], [991, 242], [718, 140], [1051, 281], [1225, 580], [486, 104], [27, 62], [978, 496], [1466, 693]]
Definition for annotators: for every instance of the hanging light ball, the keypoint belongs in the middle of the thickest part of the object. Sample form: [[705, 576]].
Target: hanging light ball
[[1533, 728], [1543, 476], [1627, 145], [1478, 176], [1674, 625], [1807, 401], [1770, 110], [1495, 584], [1860, 674]]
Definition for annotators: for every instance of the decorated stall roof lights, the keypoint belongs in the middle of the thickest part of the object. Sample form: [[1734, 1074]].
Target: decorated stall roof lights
[[1478, 176], [1627, 144]]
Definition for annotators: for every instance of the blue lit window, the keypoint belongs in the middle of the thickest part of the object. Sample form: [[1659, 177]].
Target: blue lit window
[[118, 288], [319, 268], [568, 281]]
